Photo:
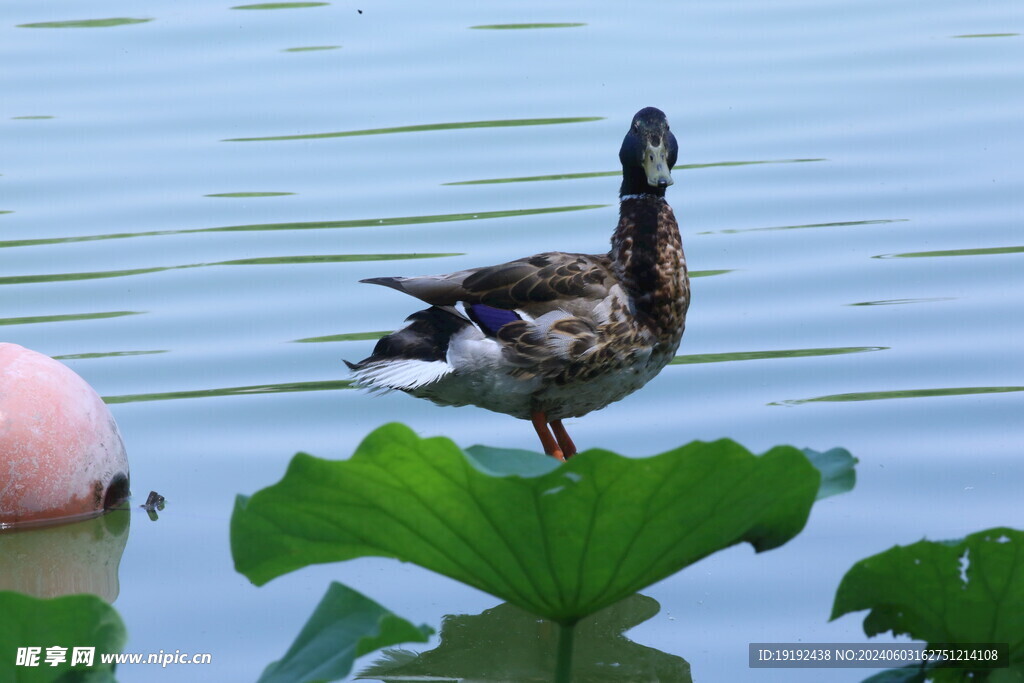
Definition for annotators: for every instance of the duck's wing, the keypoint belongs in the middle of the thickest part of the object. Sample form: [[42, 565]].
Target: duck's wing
[[536, 284]]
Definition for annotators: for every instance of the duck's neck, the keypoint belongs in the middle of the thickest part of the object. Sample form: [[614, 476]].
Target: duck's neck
[[647, 256], [634, 184]]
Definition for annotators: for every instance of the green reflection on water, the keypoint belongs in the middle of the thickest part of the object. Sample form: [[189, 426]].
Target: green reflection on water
[[288, 387], [333, 385], [894, 302], [423, 127], [537, 178], [904, 393], [715, 164], [838, 224], [66, 317], [987, 35], [329, 258], [761, 355], [608, 174], [107, 354], [246, 195], [282, 5], [69, 277], [86, 23], [311, 48], [404, 220], [505, 643], [708, 273], [678, 360], [312, 225], [350, 336], [267, 260], [986, 251], [522, 26]]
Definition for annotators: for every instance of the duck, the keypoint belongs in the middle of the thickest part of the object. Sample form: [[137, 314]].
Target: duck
[[555, 335]]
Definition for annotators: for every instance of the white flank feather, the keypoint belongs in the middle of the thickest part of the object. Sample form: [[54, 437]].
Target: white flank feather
[[402, 373]]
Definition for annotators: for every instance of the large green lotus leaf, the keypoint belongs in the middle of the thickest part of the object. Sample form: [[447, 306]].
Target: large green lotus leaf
[[505, 643], [837, 466], [345, 625], [966, 591], [561, 544], [70, 621]]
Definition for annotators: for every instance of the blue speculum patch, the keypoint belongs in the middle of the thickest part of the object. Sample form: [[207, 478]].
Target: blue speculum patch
[[491, 319]]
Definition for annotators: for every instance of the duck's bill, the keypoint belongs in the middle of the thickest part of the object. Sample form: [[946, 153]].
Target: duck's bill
[[656, 166]]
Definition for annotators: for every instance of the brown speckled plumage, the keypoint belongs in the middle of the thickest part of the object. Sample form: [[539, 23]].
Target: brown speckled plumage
[[647, 257], [555, 334]]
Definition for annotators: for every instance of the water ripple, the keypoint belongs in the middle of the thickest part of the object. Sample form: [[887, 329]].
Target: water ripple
[[504, 27], [335, 385], [762, 355], [987, 35], [678, 360], [311, 48], [107, 354], [267, 260], [349, 336], [835, 224], [608, 174], [984, 251], [66, 317], [309, 225], [248, 195], [282, 5], [901, 393], [460, 125], [288, 387], [86, 23], [895, 302]]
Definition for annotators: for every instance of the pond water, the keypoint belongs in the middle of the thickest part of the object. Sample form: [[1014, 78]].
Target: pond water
[[188, 202]]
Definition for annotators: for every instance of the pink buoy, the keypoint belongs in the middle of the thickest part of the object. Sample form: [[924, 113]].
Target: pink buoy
[[61, 455]]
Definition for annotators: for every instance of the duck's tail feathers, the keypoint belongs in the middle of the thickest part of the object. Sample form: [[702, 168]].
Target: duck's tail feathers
[[403, 374], [412, 357], [438, 290]]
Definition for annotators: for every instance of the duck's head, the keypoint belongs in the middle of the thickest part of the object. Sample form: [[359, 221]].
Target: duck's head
[[648, 154]]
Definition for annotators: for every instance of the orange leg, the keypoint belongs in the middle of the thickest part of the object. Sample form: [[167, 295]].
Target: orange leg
[[540, 424], [564, 442]]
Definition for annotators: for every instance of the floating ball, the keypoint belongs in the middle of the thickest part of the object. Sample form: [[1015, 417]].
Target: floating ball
[[61, 454]]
